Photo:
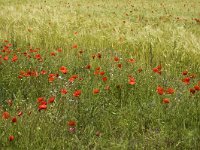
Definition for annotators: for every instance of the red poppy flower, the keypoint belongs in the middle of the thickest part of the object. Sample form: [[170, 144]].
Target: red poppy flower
[[157, 69], [15, 58], [104, 79], [75, 46], [59, 50], [11, 138], [186, 80], [34, 74], [23, 73], [71, 123], [131, 60], [63, 69], [185, 72], [160, 90], [14, 120], [96, 72], [95, 91], [33, 50], [116, 59], [99, 55], [53, 54], [192, 90], [88, 67], [9, 45], [20, 76], [119, 66], [102, 73], [170, 91], [166, 100], [51, 79], [51, 99], [52, 75], [77, 93], [197, 87], [40, 99], [5, 115], [28, 73], [38, 57], [43, 103], [43, 72], [131, 80], [5, 58], [98, 68], [72, 78], [5, 48], [63, 91], [42, 107]]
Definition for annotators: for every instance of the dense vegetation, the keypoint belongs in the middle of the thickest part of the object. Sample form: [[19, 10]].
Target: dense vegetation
[[116, 74]]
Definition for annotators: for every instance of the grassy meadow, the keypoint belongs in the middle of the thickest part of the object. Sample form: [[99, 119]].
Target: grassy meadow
[[99, 75]]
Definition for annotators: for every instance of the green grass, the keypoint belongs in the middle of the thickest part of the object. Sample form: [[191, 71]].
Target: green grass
[[126, 116]]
